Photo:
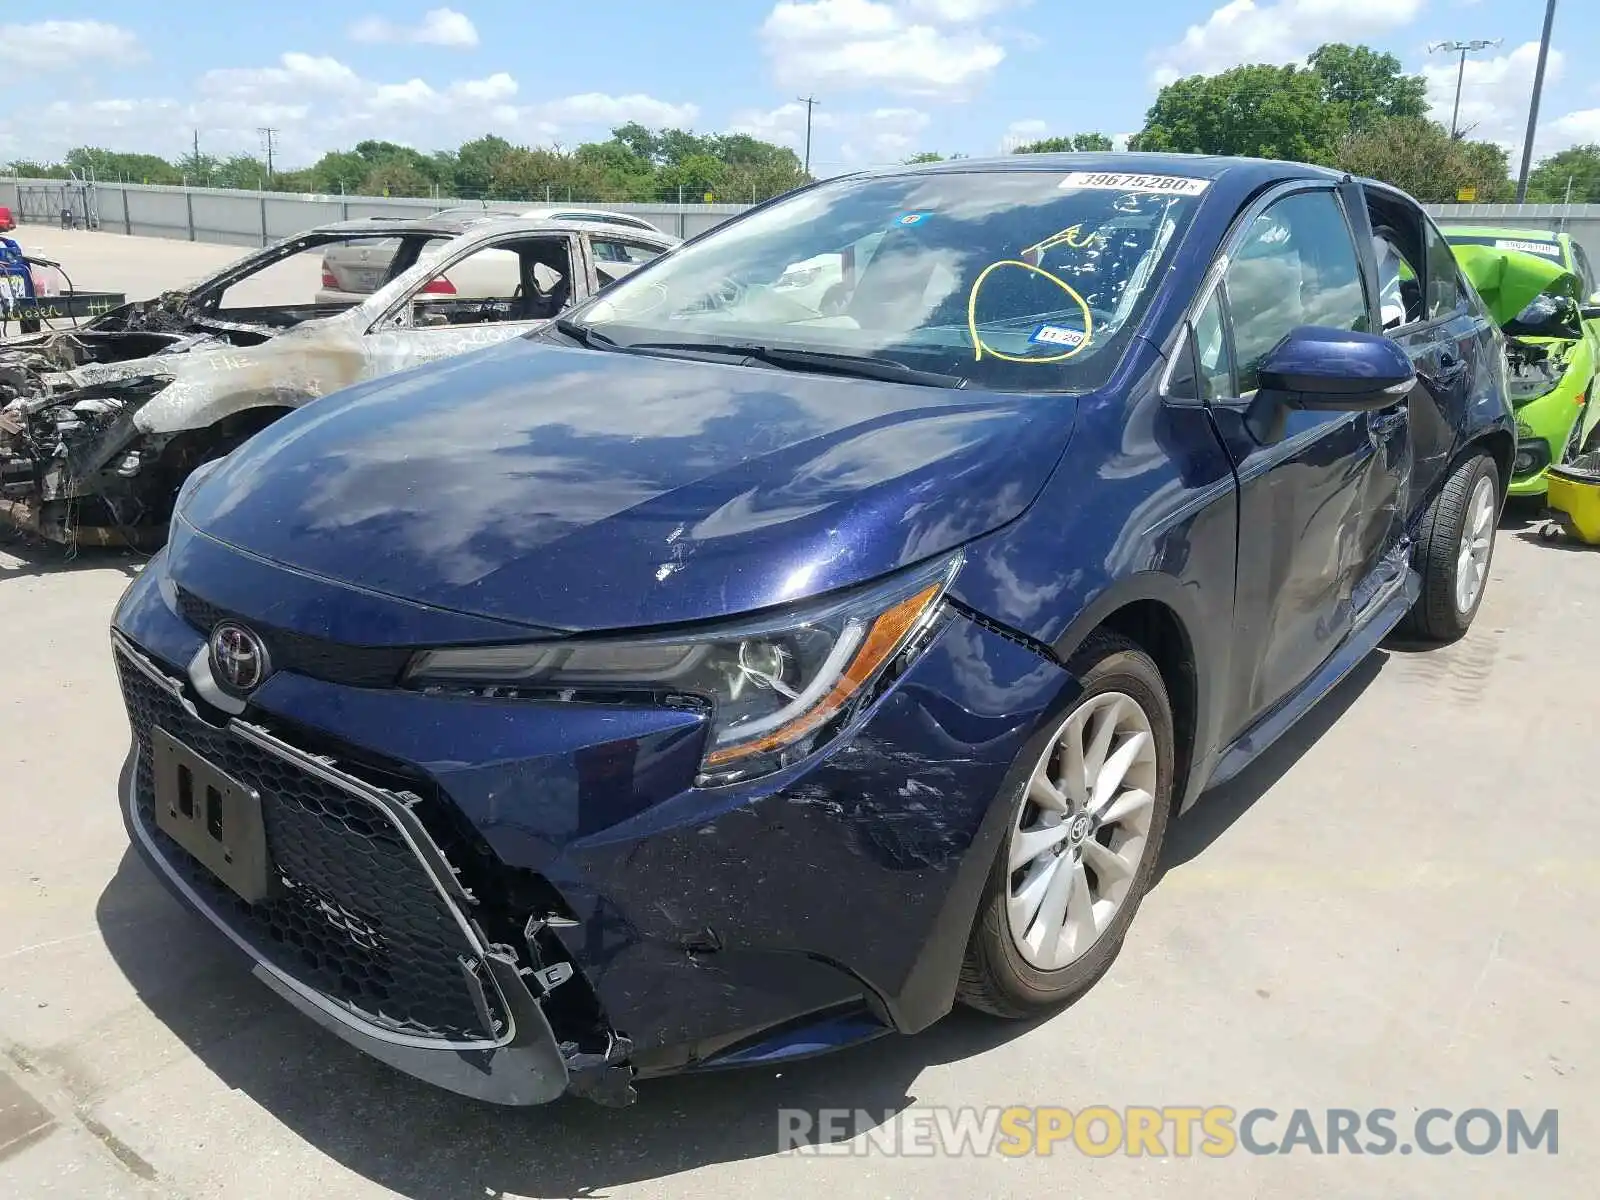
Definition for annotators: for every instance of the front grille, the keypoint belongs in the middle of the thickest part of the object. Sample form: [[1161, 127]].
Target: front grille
[[356, 666], [358, 919]]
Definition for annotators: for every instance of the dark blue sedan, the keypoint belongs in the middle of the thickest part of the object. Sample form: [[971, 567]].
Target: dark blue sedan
[[819, 627]]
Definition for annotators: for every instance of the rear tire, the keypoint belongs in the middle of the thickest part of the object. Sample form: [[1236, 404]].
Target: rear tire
[[1455, 567], [1082, 842]]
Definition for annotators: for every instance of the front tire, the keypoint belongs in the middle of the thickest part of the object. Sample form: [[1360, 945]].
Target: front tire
[[1083, 840], [1455, 549]]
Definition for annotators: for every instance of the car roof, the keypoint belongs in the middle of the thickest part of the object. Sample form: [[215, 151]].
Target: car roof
[[456, 224], [1200, 166], [1497, 231]]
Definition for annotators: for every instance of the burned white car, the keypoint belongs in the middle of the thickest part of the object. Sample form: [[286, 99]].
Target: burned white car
[[99, 426]]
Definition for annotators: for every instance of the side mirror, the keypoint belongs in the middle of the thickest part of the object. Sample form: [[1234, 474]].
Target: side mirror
[[1336, 370]]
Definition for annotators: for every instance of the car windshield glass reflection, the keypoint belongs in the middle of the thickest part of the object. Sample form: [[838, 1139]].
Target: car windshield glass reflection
[[1024, 280]]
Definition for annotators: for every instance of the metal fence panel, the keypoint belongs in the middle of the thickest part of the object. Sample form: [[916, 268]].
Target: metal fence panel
[[247, 218]]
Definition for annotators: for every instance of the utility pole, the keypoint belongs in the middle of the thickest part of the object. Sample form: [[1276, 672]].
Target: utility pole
[[1533, 107], [810, 102], [267, 134], [1464, 48]]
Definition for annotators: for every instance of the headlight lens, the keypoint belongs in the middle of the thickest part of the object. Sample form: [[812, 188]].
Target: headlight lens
[[775, 687]]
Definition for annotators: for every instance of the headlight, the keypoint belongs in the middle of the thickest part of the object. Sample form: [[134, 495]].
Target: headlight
[[776, 688]]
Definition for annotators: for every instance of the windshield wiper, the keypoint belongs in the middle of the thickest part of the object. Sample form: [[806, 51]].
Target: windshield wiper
[[583, 335], [862, 366]]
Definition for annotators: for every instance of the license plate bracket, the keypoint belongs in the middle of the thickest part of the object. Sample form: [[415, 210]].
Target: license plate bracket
[[214, 817]]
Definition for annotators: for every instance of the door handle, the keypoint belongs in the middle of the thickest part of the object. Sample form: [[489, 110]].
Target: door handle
[[1381, 424], [1451, 364]]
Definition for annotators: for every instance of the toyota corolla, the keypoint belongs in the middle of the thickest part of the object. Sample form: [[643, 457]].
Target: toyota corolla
[[733, 672]]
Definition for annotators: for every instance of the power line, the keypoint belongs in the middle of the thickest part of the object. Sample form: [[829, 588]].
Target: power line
[[1464, 48], [1533, 107], [810, 102]]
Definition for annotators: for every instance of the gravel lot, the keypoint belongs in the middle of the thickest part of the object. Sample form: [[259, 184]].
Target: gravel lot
[[1394, 908]]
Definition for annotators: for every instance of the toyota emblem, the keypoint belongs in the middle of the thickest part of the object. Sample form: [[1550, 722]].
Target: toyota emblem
[[238, 658]]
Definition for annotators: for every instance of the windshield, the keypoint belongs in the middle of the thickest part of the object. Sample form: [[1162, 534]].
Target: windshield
[[1528, 245], [1016, 280]]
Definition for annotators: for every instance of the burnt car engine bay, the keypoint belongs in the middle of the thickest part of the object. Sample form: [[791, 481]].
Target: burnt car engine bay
[[67, 404]]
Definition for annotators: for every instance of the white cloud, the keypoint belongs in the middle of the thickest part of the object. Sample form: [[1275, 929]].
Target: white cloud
[[1582, 127], [1494, 94], [47, 44], [919, 47], [317, 103], [296, 72], [956, 11], [1019, 133], [1276, 31], [841, 140], [496, 88], [439, 27], [598, 108]]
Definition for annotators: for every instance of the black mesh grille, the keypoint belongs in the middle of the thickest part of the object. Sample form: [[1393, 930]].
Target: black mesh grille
[[358, 666], [359, 920]]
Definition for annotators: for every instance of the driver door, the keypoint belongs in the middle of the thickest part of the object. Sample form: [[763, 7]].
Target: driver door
[[1321, 494]]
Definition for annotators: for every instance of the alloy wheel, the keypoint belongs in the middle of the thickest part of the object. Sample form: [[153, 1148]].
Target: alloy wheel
[[1477, 541], [1081, 831]]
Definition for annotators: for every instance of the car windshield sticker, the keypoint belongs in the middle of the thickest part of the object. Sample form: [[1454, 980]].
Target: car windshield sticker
[[916, 218], [1119, 181], [1056, 335], [1546, 249]]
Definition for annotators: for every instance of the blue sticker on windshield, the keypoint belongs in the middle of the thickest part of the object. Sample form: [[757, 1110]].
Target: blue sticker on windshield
[[912, 218], [1056, 335]]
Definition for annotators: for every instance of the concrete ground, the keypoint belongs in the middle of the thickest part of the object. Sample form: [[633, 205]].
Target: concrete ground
[[1394, 908]]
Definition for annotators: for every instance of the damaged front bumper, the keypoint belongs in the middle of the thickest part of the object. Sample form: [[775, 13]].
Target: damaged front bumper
[[476, 1025], [703, 927]]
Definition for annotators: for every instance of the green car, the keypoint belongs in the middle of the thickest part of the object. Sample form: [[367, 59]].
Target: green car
[[1541, 288]]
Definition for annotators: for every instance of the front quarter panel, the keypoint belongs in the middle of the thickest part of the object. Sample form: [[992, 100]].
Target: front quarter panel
[[1143, 508], [283, 373]]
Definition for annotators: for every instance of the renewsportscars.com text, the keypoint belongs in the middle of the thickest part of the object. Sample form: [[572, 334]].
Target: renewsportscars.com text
[[1217, 1131]]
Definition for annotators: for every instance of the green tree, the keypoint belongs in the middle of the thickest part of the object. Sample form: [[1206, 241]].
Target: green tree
[[691, 177], [110, 165], [925, 156], [1367, 87], [474, 161], [396, 178], [1080, 142], [239, 171], [1420, 157], [1262, 111], [1580, 164]]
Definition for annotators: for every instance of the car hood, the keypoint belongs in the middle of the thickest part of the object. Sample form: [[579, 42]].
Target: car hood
[[1510, 280], [592, 490]]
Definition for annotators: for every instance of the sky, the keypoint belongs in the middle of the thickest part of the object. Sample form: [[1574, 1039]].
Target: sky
[[891, 77]]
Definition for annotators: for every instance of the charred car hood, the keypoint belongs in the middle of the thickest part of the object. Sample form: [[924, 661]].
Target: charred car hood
[[589, 490]]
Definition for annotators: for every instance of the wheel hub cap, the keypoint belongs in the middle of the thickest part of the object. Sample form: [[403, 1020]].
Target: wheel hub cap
[[1081, 831], [1477, 544]]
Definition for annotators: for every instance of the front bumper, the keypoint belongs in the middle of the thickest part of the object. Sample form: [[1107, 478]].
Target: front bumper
[[495, 1044], [706, 927]]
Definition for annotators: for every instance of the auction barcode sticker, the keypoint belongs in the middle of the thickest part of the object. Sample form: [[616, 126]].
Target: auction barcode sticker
[[1118, 181], [1547, 249]]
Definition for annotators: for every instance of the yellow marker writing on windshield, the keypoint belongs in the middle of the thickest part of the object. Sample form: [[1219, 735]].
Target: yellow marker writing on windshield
[[1067, 237], [980, 347]]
